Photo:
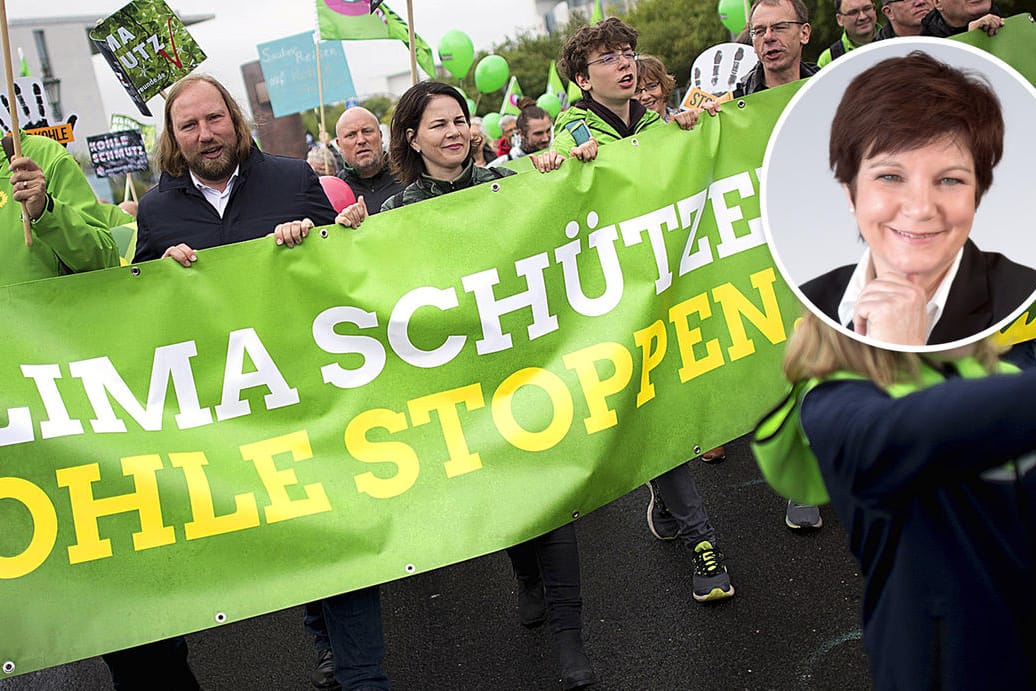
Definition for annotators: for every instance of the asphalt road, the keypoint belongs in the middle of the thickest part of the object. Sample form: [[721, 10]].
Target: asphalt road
[[793, 624]]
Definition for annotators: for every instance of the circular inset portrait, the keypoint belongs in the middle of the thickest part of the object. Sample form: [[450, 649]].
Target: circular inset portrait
[[895, 194]]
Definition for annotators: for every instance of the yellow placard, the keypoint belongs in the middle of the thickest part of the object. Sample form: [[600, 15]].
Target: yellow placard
[[62, 133]]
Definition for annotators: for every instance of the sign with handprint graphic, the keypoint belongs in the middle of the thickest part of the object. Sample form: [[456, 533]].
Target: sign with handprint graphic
[[34, 112]]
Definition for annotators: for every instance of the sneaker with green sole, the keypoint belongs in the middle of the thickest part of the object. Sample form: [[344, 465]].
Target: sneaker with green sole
[[710, 580]]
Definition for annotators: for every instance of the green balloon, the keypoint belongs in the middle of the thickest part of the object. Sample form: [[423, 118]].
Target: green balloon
[[732, 14], [471, 106], [456, 52], [550, 103], [491, 73], [491, 123]]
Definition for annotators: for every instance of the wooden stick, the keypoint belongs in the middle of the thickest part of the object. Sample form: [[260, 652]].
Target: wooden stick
[[322, 135], [413, 46], [133, 188], [16, 137]]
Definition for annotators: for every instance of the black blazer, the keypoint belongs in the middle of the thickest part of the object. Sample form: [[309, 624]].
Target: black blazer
[[987, 288]]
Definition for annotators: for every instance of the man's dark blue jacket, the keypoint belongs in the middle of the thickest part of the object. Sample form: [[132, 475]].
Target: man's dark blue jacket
[[269, 190]]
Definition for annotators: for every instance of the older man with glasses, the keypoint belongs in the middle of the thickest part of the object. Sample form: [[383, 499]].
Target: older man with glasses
[[952, 17], [779, 30], [858, 20], [904, 17]]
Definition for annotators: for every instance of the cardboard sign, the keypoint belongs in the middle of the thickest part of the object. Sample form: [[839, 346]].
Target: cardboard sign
[[721, 67], [290, 69], [113, 153], [120, 122], [697, 98], [148, 48], [62, 133], [34, 112]]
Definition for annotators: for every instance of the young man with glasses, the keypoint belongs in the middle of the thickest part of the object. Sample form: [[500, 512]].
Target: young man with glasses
[[602, 61], [858, 20], [904, 17], [779, 29]]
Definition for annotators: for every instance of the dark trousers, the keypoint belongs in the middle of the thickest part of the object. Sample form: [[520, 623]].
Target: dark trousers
[[554, 558], [158, 666], [313, 620], [353, 623], [685, 503]]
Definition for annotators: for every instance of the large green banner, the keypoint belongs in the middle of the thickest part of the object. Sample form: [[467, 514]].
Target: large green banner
[[186, 447]]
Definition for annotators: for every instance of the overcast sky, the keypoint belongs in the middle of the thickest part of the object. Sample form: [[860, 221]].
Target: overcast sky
[[230, 38]]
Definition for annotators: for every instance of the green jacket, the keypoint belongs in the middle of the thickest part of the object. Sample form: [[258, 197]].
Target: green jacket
[[599, 129], [71, 235], [837, 50], [426, 187]]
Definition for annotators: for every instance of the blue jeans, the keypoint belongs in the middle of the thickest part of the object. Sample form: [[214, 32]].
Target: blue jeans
[[683, 500], [313, 621], [353, 623]]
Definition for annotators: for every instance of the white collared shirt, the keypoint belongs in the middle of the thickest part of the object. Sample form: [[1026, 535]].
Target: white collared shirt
[[864, 272], [212, 195]]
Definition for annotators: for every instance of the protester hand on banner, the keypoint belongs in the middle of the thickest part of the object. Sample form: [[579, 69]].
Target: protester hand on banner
[[181, 253], [29, 185], [990, 23], [292, 233], [353, 215], [552, 160], [687, 119]]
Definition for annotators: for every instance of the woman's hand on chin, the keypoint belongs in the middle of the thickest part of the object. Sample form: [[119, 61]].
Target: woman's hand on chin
[[892, 309]]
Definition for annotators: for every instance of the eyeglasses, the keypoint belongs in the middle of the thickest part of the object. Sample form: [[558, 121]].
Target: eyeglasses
[[650, 86], [777, 28], [853, 14], [613, 58]]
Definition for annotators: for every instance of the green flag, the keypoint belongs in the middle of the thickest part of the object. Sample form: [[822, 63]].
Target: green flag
[[24, 71], [555, 85], [355, 21], [598, 14], [511, 98], [574, 92]]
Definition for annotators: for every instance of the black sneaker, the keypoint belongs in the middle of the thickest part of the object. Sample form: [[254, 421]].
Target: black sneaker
[[660, 522], [799, 516], [323, 676], [711, 580]]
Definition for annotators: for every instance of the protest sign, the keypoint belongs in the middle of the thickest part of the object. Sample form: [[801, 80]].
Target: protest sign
[[319, 425], [290, 70], [719, 69], [148, 48], [120, 122], [114, 153], [34, 112]]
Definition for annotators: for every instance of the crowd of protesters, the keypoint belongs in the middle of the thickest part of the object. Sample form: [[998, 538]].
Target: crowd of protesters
[[218, 188]]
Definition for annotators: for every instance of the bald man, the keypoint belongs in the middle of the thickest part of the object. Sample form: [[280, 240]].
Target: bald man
[[359, 139]]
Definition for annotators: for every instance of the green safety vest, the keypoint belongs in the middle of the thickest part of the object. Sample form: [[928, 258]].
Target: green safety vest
[[782, 450]]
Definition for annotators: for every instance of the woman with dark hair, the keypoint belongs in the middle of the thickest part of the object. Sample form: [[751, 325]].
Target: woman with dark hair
[[654, 86], [914, 171], [928, 461], [431, 153]]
